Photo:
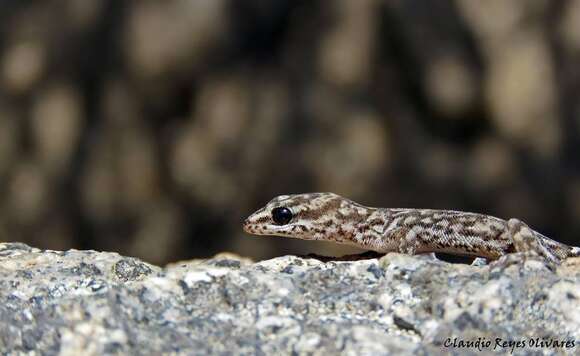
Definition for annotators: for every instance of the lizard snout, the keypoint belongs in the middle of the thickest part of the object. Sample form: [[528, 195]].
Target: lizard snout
[[248, 226]]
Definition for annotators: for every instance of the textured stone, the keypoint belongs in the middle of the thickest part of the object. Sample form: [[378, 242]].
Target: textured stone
[[87, 302]]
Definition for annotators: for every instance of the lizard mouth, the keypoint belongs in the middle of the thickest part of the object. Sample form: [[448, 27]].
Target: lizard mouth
[[254, 228]]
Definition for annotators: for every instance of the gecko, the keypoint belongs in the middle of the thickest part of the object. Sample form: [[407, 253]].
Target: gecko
[[331, 217]]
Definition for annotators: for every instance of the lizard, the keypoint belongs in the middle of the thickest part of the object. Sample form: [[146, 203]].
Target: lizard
[[331, 217]]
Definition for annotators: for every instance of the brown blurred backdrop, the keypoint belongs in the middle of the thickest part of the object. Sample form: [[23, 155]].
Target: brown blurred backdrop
[[152, 128]]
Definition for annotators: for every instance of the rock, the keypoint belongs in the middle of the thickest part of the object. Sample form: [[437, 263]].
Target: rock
[[87, 302]]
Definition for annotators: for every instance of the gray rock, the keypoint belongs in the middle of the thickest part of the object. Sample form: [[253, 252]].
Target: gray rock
[[87, 302]]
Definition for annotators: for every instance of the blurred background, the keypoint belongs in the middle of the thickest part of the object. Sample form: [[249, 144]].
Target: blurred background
[[153, 128]]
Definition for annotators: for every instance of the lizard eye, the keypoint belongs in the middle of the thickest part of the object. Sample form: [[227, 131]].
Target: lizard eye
[[281, 216]]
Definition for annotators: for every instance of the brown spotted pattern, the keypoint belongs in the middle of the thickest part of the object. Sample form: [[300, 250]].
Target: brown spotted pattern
[[330, 217]]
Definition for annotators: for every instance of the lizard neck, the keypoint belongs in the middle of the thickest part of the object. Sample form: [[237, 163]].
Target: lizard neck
[[348, 221], [371, 233]]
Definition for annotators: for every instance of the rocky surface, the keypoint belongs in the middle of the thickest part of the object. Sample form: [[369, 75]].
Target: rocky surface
[[87, 302]]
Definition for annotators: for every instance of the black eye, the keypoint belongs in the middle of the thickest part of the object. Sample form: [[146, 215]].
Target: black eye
[[281, 216]]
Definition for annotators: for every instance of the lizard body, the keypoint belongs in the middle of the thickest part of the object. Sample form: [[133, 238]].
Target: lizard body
[[330, 217]]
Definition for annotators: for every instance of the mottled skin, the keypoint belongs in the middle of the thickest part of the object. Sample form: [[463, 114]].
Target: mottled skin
[[330, 217]]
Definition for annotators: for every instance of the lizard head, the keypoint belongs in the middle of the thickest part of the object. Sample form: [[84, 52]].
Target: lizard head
[[313, 216]]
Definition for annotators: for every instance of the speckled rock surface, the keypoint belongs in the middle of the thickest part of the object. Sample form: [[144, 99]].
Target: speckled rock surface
[[91, 302]]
